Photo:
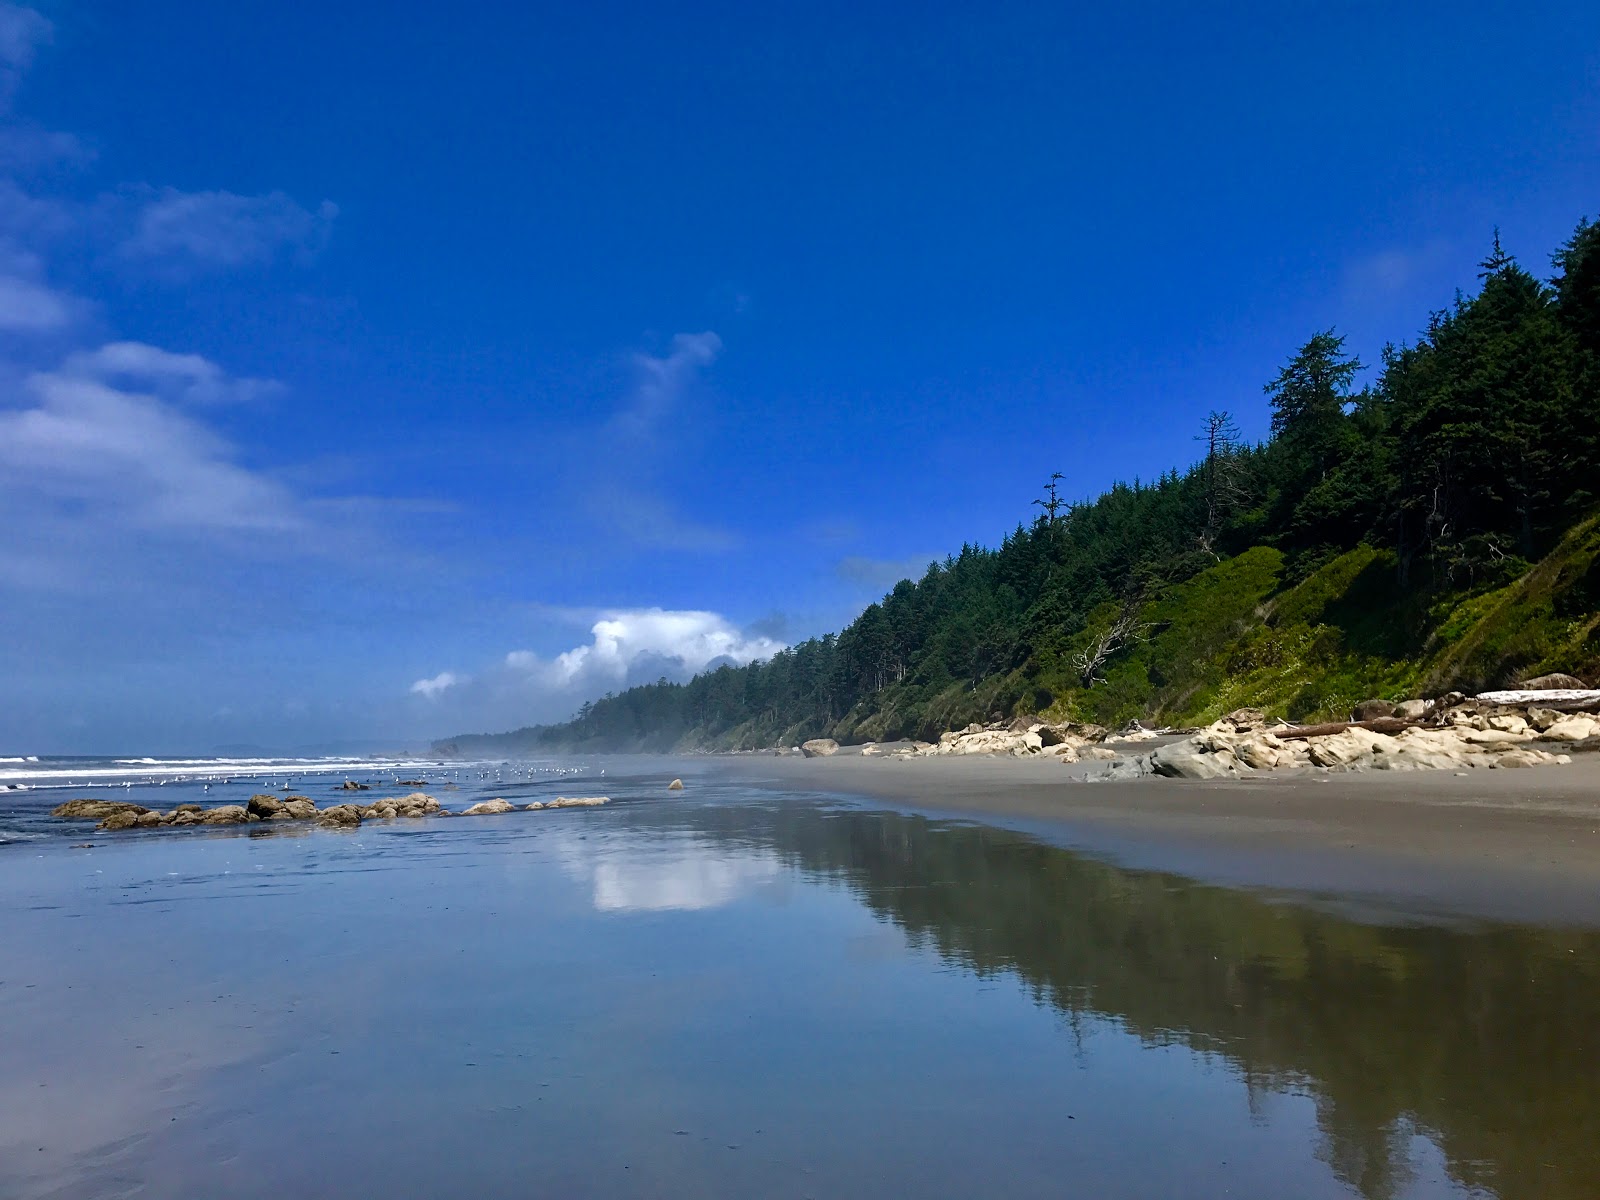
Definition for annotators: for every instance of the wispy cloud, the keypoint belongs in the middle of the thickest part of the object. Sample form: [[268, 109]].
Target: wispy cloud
[[97, 453], [634, 444], [662, 381], [27, 306], [210, 230], [184, 377], [881, 573], [432, 689], [22, 31]]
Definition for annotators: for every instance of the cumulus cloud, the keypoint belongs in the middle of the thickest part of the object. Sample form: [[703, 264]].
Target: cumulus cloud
[[631, 644], [86, 450], [223, 229], [433, 688]]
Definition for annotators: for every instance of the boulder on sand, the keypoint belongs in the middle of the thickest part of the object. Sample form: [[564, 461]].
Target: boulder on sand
[[1185, 760], [488, 808], [95, 810], [819, 747]]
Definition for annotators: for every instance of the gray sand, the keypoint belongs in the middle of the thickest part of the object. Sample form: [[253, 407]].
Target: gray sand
[[1516, 845]]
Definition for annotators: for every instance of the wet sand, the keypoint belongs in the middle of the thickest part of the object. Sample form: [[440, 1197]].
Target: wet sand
[[1513, 845]]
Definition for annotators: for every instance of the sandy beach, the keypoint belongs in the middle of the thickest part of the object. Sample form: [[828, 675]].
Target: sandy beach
[[1519, 845]]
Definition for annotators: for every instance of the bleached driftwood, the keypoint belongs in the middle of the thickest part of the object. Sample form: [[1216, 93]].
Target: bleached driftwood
[[1289, 733], [1564, 700]]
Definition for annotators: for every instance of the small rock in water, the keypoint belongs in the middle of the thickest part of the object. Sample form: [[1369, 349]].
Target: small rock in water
[[675, 786]]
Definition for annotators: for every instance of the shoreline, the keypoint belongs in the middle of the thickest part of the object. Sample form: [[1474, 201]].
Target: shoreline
[[1511, 846]]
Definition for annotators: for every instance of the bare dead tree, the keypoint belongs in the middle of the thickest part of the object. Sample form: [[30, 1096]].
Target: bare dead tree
[[1219, 475], [1126, 629], [1051, 501]]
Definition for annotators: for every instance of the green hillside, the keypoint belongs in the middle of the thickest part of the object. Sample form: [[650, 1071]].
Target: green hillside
[[1433, 529]]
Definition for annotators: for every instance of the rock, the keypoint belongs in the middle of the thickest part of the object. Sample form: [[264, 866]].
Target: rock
[[1552, 683], [342, 815], [226, 814], [121, 819], [264, 806], [870, 750], [819, 747], [300, 808], [1246, 720], [534, 807], [1135, 767], [1523, 758], [95, 810], [1185, 760], [1492, 738], [189, 808], [1099, 753], [1261, 752], [675, 786], [350, 785], [1573, 728], [1509, 723], [1412, 710], [1352, 748], [488, 808], [148, 820], [181, 816], [417, 804], [577, 801], [1371, 710], [1543, 718]]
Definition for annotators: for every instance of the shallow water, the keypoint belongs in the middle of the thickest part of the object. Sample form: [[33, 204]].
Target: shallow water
[[715, 993]]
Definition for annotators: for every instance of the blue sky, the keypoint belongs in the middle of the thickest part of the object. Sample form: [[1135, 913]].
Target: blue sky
[[375, 371]]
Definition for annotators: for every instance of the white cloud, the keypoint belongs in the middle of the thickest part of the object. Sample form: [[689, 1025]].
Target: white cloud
[[632, 643], [223, 229], [440, 683], [101, 456]]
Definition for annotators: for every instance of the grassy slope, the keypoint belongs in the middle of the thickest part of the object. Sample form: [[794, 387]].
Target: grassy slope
[[1233, 636]]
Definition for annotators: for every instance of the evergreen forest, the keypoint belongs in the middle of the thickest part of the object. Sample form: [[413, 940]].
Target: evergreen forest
[[1432, 529]]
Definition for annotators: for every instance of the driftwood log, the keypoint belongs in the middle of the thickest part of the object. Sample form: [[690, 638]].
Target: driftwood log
[[1566, 700], [1289, 733]]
